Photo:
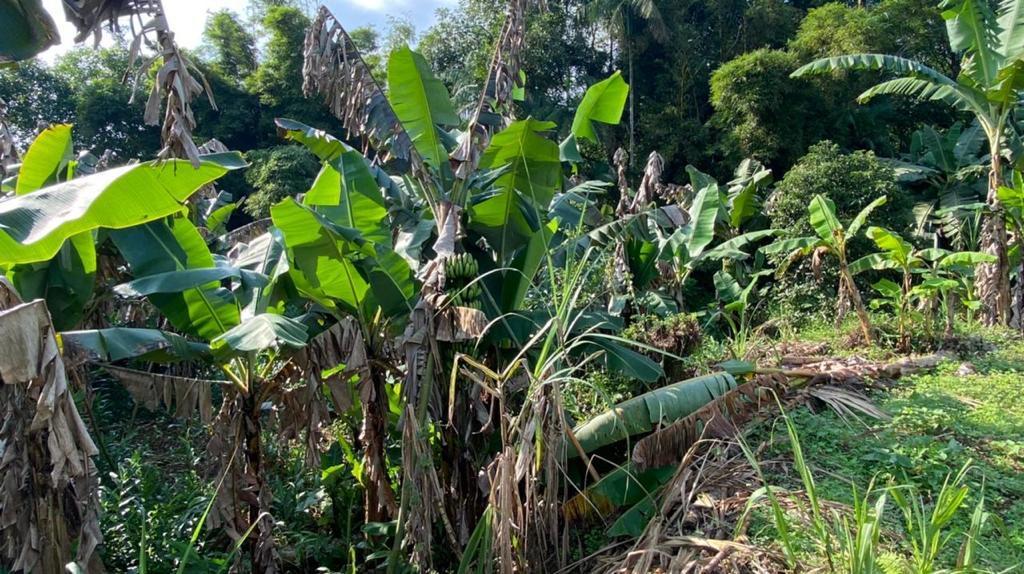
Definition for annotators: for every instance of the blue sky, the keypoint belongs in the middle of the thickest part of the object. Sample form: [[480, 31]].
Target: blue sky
[[187, 17]]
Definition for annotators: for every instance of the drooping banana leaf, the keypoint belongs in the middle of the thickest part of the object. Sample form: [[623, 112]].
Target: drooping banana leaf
[[643, 413], [177, 281], [173, 245], [123, 343], [264, 331], [624, 486], [33, 227]]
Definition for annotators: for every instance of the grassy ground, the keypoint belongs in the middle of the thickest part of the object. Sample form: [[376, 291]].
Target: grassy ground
[[940, 421]]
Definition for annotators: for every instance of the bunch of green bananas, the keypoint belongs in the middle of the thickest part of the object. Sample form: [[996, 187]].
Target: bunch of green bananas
[[461, 266], [460, 271]]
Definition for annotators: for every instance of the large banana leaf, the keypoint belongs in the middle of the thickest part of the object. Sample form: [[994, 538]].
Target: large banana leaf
[[603, 102], [28, 29], [49, 155], [346, 192], [643, 413], [624, 486], [337, 267], [510, 214], [33, 227], [703, 214], [421, 103], [893, 64], [328, 148], [66, 281], [897, 248], [528, 160], [122, 343], [176, 281], [972, 28], [823, 218], [1011, 28], [320, 256], [862, 217], [172, 245]]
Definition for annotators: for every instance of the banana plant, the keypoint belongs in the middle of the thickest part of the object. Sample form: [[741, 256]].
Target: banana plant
[[988, 86], [832, 239], [685, 247], [48, 228], [898, 254], [734, 307], [949, 169]]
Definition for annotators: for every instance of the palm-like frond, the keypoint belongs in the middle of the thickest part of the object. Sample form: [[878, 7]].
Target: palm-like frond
[[920, 89], [971, 26], [1011, 28]]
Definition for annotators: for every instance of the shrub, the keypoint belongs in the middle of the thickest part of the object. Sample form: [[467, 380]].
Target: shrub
[[851, 180], [277, 173], [764, 113]]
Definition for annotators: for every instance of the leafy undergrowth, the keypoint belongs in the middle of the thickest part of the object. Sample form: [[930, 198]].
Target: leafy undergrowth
[[962, 412]]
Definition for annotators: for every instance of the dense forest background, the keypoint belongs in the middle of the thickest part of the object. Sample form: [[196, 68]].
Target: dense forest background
[[710, 81]]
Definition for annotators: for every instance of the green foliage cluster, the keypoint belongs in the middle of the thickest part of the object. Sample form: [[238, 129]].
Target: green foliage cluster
[[275, 174], [851, 180]]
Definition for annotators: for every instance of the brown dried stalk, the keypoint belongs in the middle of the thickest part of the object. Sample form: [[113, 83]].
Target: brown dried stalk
[[334, 69], [495, 105], [48, 490]]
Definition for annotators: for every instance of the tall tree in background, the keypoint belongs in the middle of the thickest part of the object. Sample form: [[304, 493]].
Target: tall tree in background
[[234, 48], [621, 18], [989, 86]]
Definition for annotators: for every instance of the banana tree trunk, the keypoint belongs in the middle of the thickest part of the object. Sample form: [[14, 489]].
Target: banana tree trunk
[[858, 304], [263, 555], [380, 497], [994, 278]]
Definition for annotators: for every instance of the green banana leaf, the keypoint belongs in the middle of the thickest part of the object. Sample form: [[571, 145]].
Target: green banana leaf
[[33, 227], [48, 156], [123, 343], [320, 256], [624, 486], [66, 282], [177, 281], [421, 103], [603, 102], [530, 173], [346, 192], [643, 413], [823, 218], [264, 331], [163, 248], [703, 215]]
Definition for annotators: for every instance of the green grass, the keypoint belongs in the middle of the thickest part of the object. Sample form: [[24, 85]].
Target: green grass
[[940, 421]]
